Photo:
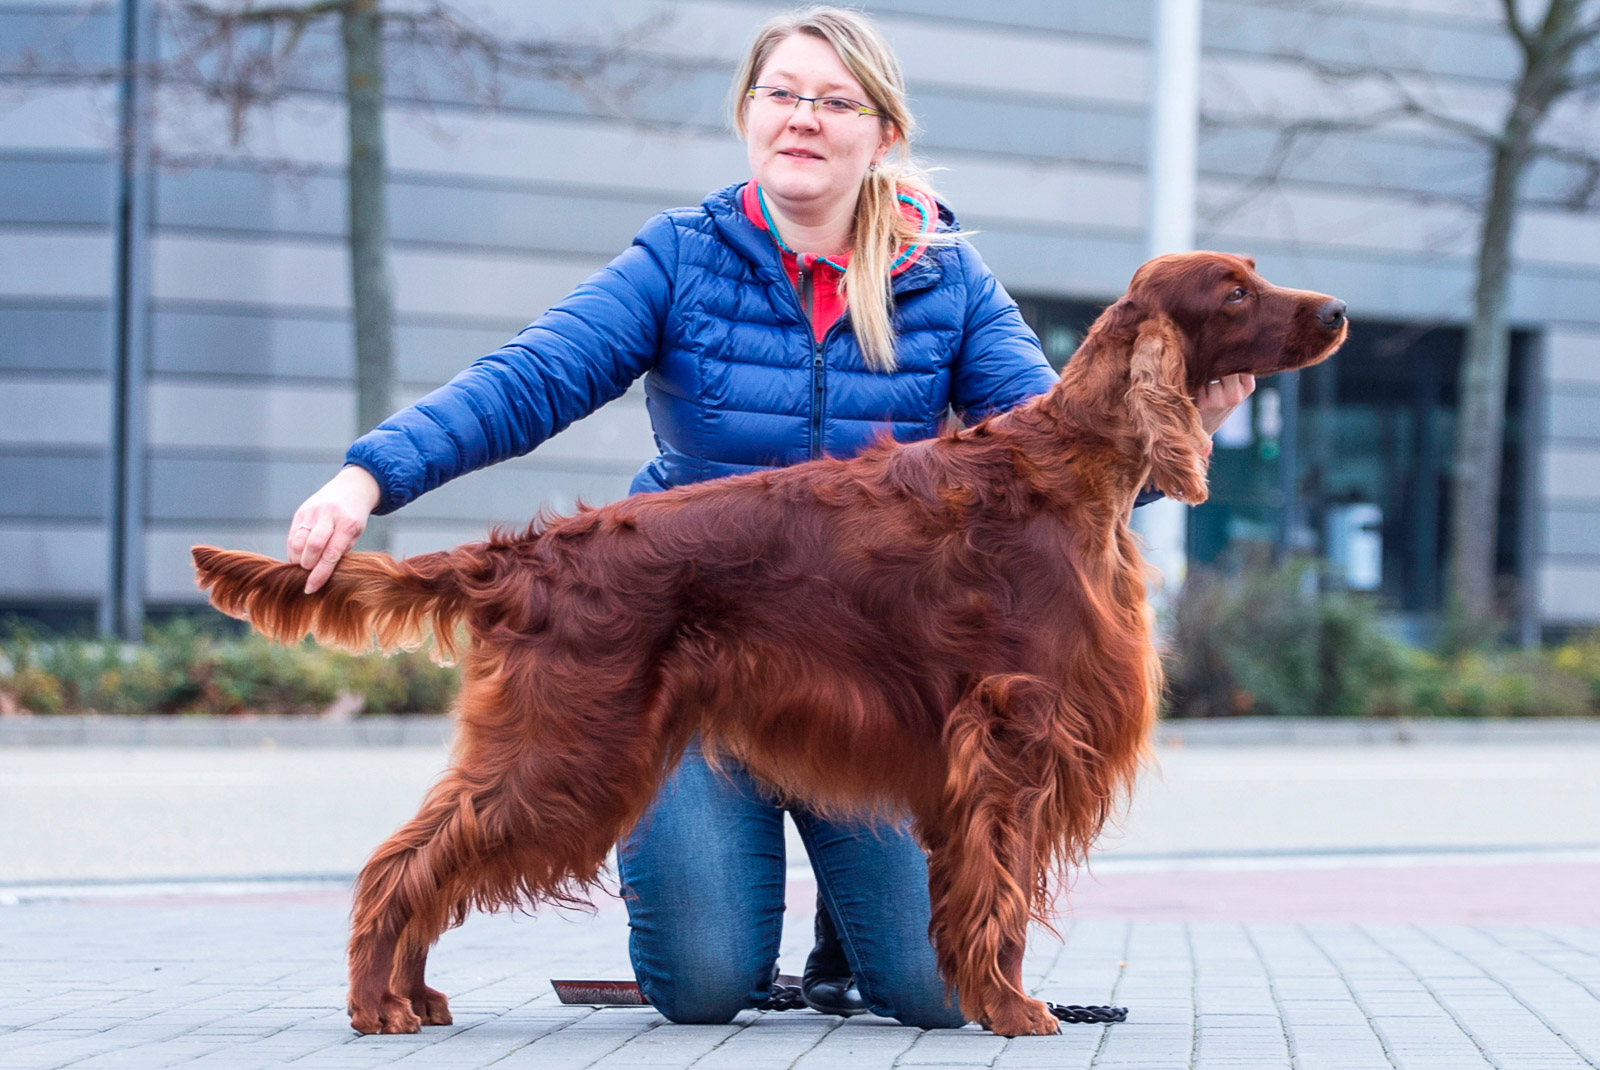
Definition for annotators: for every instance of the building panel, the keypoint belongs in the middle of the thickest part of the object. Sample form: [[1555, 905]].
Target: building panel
[[58, 336], [1569, 594], [49, 485], [54, 264], [51, 562], [298, 417], [43, 411], [1571, 473]]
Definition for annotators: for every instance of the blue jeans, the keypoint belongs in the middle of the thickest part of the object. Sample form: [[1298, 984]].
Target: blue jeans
[[703, 877]]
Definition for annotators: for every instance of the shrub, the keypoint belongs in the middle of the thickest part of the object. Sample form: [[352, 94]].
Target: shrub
[[192, 666], [1279, 643], [1272, 643]]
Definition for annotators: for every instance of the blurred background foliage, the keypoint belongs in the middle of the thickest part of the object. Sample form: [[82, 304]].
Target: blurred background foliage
[[194, 665], [1288, 642]]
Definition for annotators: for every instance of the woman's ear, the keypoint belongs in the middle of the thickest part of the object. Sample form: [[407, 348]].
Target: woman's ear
[[1164, 417]]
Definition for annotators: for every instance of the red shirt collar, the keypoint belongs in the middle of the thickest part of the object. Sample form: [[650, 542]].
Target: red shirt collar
[[930, 212]]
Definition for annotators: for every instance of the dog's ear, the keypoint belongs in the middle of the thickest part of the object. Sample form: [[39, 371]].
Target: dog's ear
[[1164, 417]]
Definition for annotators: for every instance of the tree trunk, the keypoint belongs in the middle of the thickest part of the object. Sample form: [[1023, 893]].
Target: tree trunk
[[370, 288], [1480, 412]]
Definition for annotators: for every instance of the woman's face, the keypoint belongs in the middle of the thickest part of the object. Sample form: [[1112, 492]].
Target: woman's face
[[811, 159]]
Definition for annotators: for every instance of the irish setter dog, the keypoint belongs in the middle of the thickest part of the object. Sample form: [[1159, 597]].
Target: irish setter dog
[[953, 629]]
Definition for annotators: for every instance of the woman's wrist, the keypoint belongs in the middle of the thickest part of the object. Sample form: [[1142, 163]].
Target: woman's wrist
[[363, 482]]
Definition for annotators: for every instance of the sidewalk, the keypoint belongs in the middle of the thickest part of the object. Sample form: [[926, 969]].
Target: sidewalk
[[258, 982], [1338, 906]]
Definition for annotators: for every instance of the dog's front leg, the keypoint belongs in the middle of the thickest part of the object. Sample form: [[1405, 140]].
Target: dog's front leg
[[428, 1004], [373, 1006], [982, 874]]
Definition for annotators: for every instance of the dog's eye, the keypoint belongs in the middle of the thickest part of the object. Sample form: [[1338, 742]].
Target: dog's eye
[[1239, 294]]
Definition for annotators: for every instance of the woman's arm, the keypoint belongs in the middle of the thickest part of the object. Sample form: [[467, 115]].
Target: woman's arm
[[581, 354]]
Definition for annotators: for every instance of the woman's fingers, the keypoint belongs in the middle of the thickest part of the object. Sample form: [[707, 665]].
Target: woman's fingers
[[299, 529], [1218, 398], [329, 522], [317, 539], [340, 538]]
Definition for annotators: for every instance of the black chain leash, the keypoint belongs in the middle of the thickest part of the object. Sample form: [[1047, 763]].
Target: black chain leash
[[782, 997], [786, 997], [1095, 1015]]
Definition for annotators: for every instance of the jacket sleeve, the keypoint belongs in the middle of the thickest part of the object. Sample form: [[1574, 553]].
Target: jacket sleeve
[[566, 364], [1001, 363]]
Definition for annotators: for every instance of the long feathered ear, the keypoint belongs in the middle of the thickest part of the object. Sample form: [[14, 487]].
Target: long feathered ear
[[1164, 416]]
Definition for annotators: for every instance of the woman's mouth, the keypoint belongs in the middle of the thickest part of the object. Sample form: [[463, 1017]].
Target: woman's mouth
[[799, 154]]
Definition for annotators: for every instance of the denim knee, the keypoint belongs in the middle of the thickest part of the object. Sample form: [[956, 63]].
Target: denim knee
[[698, 990], [913, 1001], [703, 878]]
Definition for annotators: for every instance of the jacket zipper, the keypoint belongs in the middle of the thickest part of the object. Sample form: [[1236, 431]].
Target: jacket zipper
[[818, 369], [818, 365]]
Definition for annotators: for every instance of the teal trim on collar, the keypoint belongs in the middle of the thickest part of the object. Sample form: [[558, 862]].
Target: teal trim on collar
[[906, 254]]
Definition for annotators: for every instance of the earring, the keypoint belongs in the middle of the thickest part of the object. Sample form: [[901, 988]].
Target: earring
[[872, 167]]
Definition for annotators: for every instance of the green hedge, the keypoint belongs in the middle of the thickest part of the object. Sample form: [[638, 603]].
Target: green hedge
[[1271, 643], [192, 667], [1279, 643]]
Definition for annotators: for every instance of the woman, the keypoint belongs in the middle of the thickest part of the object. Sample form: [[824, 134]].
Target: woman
[[785, 318]]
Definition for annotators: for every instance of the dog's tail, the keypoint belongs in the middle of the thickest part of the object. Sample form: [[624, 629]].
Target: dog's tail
[[370, 600]]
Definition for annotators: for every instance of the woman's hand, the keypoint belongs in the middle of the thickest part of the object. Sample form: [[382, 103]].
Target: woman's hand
[[1218, 398], [330, 521]]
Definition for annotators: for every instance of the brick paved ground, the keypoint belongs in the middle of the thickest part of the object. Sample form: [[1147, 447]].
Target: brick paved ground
[[256, 981], [1333, 907]]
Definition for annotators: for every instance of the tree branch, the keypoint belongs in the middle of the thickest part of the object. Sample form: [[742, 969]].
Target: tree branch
[[1410, 105], [1583, 189], [248, 13], [1289, 138], [1514, 26]]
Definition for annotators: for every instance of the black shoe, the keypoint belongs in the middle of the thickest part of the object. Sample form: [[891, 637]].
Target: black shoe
[[827, 986], [833, 995]]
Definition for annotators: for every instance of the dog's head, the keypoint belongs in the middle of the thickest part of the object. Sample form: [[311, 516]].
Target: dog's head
[[1196, 317]]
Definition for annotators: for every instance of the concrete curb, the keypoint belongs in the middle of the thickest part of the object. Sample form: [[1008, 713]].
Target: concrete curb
[[101, 731], [1314, 731]]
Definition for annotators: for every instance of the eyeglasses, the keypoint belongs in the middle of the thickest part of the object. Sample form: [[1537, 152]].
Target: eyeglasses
[[779, 98]]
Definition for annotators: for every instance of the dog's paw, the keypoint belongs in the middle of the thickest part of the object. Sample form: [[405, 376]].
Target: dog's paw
[[431, 1006], [392, 1015], [1023, 1018]]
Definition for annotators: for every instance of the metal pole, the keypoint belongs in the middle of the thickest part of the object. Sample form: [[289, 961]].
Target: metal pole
[[122, 607], [1530, 496], [1174, 148], [1288, 467]]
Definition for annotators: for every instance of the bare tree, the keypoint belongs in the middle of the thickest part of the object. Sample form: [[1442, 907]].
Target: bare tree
[[246, 71], [1556, 64]]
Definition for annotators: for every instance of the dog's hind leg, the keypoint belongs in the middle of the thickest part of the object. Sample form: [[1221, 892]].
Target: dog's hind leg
[[551, 767], [401, 881], [985, 870]]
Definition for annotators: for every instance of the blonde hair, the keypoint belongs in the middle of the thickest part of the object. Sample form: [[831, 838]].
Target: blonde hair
[[880, 229]]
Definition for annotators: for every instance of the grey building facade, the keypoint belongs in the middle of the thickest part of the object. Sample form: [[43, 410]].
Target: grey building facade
[[242, 399]]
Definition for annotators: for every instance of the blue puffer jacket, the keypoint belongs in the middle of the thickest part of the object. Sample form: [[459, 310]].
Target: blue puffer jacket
[[735, 383]]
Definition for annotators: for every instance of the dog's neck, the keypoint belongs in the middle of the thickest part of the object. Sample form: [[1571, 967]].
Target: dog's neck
[[1084, 419]]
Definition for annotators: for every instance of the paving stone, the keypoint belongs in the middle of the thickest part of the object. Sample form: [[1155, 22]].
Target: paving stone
[[259, 983]]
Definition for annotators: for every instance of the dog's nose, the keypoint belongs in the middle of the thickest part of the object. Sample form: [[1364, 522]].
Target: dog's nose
[[1331, 314]]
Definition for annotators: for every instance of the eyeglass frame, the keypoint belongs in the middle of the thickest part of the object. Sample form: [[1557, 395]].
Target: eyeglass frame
[[815, 102]]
